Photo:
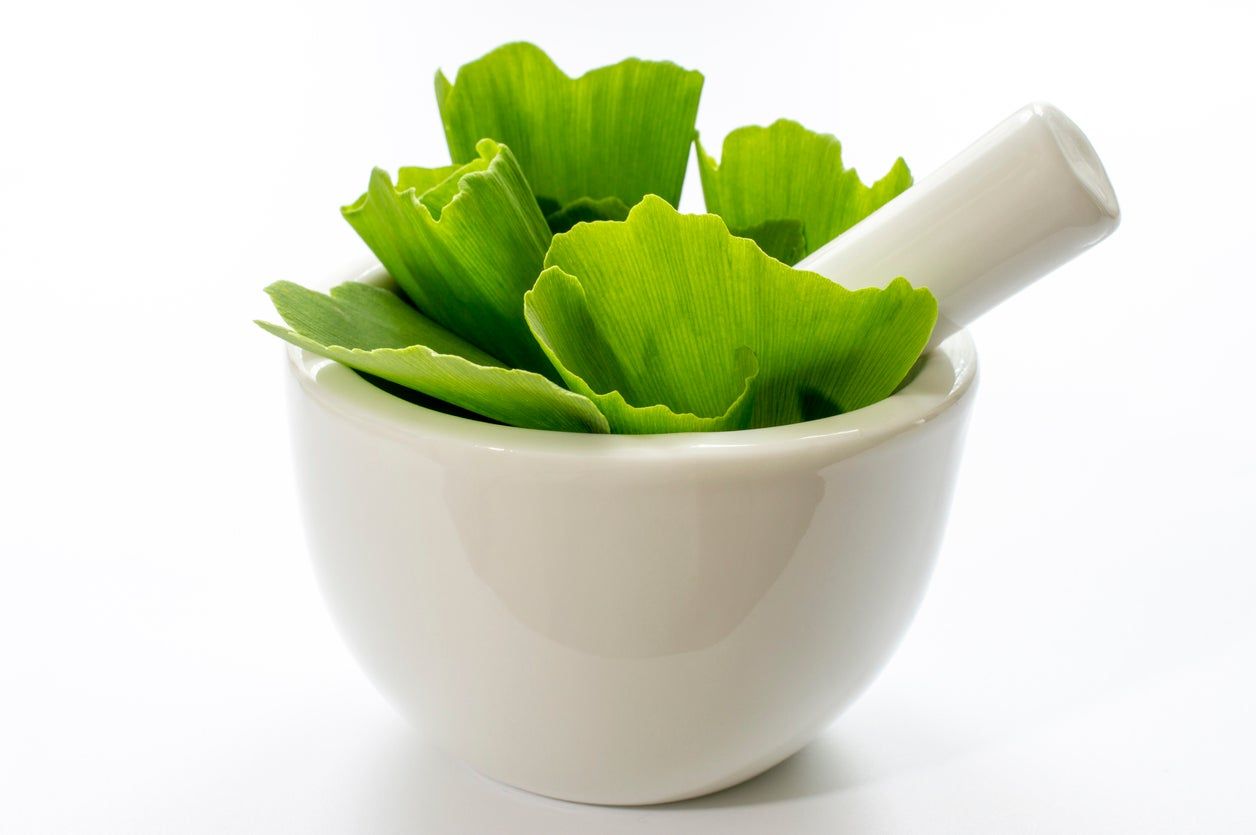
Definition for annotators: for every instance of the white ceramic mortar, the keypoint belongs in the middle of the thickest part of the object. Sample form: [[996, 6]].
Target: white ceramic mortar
[[640, 619]]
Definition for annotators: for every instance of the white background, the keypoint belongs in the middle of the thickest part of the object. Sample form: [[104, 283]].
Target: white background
[[1083, 662]]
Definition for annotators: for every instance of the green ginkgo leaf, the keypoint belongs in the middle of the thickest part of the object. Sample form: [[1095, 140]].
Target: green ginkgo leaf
[[464, 243], [670, 310], [620, 131], [423, 180], [585, 210], [592, 362], [375, 331], [786, 172], [782, 239]]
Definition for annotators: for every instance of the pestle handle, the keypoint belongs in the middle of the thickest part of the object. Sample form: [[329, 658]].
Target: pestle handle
[[1020, 201]]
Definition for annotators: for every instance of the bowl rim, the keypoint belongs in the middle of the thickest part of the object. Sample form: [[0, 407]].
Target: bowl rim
[[947, 373]]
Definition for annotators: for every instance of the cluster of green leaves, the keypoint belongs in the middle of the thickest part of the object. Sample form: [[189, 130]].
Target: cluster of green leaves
[[548, 281]]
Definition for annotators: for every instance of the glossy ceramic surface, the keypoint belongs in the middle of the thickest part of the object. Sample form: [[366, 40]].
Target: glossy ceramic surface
[[1025, 198], [619, 619]]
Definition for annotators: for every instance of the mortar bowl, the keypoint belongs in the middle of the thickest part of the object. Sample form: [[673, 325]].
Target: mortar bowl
[[624, 619]]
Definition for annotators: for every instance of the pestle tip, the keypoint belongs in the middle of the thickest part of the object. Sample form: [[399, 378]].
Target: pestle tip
[[1080, 155]]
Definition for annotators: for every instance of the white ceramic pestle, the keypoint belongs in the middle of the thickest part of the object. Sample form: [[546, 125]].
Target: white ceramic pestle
[[1020, 201]]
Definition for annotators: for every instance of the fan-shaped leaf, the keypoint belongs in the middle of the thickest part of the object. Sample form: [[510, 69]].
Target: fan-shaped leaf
[[619, 131], [785, 171], [464, 247], [664, 307], [373, 330]]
